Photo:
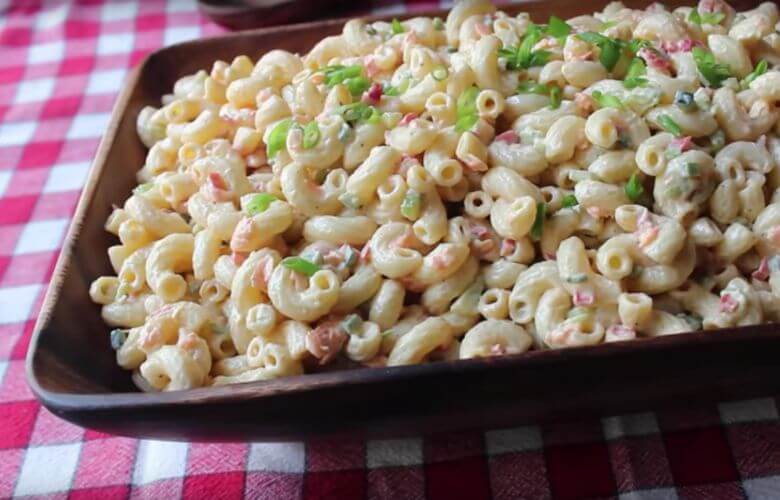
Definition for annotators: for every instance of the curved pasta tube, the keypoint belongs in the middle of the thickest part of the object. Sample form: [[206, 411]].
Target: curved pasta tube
[[664, 277], [328, 48], [357, 289], [259, 230], [494, 337], [741, 124], [483, 59], [685, 185], [387, 304], [651, 154], [366, 136], [431, 227], [563, 137], [609, 126], [462, 11], [600, 196], [364, 344], [554, 304], [170, 368], [364, 181], [316, 300], [290, 64], [168, 257], [156, 220], [420, 341], [528, 289], [440, 264], [354, 230], [310, 198], [501, 182], [524, 159], [437, 298], [695, 124], [513, 219], [325, 152], [388, 255]]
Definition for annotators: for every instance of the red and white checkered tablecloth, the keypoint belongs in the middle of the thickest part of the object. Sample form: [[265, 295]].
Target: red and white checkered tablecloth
[[61, 65]]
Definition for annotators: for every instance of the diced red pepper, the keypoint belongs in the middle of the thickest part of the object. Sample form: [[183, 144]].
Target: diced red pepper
[[408, 118], [510, 137], [374, 94], [728, 304]]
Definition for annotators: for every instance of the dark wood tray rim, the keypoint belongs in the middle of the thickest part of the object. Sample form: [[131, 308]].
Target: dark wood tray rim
[[66, 404]]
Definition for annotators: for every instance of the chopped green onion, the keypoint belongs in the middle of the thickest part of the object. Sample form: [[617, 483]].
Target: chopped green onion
[[350, 256], [696, 17], [396, 26], [569, 201], [359, 112], [352, 324], [311, 134], [606, 25], [538, 226], [610, 49], [712, 71], [635, 76], [718, 140], [142, 188], [277, 139], [635, 45], [387, 332], [529, 87], [609, 56], [671, 126], [338, 73], [759, 70], [685, 100], [558, 28], [523, 56], [313, 256], [390, 90], [692, 169], [577, 278], [411, 206], [555, 97], [467, 109], [300, 265], [439, 73], [259, 203], [357, 85], [634, 189], [438, 24], [370, 30], [350, 200], [118, 338], [606, 100]]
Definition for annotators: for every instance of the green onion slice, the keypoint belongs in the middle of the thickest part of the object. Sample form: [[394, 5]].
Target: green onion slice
[[259, 203], [634, 189], [300, 265]]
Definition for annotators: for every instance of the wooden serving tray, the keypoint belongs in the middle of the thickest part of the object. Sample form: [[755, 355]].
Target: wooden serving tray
[[72, 369]]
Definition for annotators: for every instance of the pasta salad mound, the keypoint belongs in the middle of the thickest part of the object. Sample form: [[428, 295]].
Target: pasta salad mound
[[438, 189]]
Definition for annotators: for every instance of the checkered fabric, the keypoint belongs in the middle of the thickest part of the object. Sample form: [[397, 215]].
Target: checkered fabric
[[61, 65]]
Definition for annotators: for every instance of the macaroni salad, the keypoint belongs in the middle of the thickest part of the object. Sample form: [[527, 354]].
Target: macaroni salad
[[429, 189]]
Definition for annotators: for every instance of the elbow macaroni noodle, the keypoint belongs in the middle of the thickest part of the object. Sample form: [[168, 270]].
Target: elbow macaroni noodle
[[438, 189]]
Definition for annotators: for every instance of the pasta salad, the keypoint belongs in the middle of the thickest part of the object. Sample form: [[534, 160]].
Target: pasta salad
[[438, 189]]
